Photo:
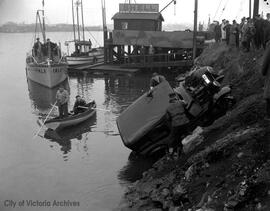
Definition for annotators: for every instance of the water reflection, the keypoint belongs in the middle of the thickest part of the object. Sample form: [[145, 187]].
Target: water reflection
[[64, 136], [111, 92], [43, 97]]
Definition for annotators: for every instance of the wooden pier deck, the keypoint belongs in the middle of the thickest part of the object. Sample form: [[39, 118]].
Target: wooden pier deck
[[115, 68]]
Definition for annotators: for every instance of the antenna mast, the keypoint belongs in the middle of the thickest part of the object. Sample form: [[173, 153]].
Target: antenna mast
[[43, 23], [195, 30], [82, 20], [78, 22], [73, 23]]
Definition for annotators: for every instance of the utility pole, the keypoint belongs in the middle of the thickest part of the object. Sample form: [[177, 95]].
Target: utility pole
[[249, 8], [73, 23], [195, 30], [78, 22], [105, 31], [255, 8]]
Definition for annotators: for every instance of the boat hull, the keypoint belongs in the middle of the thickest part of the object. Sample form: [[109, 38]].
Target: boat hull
[[58, 124], [80, 61], [47, 75]]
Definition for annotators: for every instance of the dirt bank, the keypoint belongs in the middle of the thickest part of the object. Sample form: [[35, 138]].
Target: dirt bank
[[230, 169]]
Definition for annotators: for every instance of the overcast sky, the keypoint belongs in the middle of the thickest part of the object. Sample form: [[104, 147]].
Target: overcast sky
[[59, 11]]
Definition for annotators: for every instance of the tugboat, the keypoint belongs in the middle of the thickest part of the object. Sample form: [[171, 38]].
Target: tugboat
[[84, 55], [45, 64]]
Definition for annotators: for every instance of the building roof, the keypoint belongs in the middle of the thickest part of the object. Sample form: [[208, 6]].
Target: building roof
[[138, 16]]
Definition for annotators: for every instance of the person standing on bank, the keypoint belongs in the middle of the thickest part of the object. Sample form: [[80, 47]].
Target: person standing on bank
[[62, 98], [156, 79], [176, 115], [266, 73]]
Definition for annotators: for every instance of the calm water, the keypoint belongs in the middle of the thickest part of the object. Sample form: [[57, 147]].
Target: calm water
[[87, 164]]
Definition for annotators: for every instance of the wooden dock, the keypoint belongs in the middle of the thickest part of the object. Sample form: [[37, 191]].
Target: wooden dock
[[114, 68]]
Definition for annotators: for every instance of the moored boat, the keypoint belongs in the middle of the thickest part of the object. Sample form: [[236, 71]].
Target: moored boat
[[45, 64], [73, 119], [84, 56]]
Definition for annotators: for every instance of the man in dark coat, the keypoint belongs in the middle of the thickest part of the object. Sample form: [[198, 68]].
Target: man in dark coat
[[156, 79], [236, 33], [266, 73], [78, 105], [217, 31], [227, 29], [178, 119], [258, 36], [62, 98]]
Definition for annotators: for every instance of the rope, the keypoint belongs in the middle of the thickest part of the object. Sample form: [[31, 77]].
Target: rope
[[223, 9], [217, 9], [94, 38]]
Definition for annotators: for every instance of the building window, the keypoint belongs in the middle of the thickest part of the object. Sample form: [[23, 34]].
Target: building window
[[124, 25]]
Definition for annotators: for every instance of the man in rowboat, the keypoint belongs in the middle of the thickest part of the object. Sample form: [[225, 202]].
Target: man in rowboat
[[78, 105], [62, 98]]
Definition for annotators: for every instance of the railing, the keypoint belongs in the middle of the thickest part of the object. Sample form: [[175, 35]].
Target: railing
[[171, 59]]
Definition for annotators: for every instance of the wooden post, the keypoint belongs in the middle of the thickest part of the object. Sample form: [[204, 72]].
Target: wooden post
[[249, 8], [195, 29], [255, 8], [73, 23]]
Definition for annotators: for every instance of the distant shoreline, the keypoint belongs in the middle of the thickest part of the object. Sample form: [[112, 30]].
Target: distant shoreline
[[12, 27]]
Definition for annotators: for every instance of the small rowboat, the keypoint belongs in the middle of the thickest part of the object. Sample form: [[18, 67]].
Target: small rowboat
[[71, 120]]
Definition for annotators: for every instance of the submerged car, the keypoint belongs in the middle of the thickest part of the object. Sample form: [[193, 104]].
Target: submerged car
[[143, 126]]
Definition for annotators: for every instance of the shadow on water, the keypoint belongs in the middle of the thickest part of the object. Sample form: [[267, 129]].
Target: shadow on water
[[64, 136], [136, 165]]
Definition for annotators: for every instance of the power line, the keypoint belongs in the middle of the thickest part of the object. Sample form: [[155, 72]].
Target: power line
[[223, 9], [217, 9]]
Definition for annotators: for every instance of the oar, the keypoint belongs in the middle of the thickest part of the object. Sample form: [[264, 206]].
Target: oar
[[44, 121], [100, 109]]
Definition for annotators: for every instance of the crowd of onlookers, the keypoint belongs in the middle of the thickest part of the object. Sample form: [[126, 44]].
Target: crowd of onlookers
[[249, 33]]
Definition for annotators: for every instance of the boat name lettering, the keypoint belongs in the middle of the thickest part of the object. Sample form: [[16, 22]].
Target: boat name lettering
[[57, 70]]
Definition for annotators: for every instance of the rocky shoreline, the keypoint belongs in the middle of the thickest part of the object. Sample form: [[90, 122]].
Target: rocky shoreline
[[230, 169]]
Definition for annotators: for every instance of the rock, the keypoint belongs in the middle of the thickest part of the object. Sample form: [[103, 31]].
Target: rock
[[189, 172], [179, 189], [231, 204], [240, 154], [259, 206], [165, 192], [175, 208], [193, 140]]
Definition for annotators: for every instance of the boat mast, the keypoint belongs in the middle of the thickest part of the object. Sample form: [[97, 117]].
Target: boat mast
[[43, 23], [82, 20], [74, 30], [195, 29], [105, 31], [78, 23]]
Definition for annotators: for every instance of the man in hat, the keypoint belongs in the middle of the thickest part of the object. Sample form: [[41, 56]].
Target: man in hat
[[37, 49], [50, 47], [79, 105], [156, 79], [177, 117], [62, 98]]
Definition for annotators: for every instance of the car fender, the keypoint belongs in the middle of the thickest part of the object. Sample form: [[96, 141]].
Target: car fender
[[223, 91]]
